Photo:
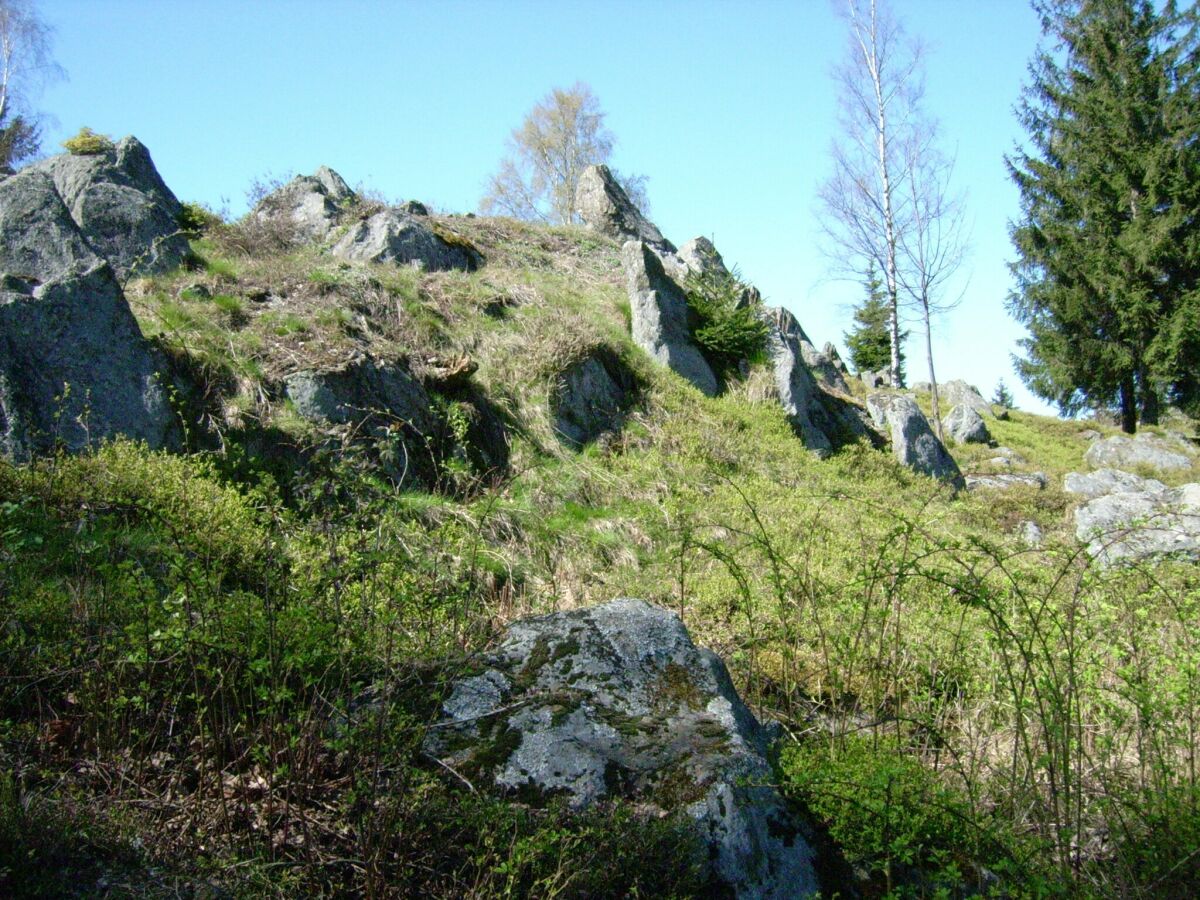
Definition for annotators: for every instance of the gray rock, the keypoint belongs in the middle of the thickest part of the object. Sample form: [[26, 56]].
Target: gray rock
[[921, 387], [617, 701], [312, 203], [831, 353], [877, 379], [913, 443], [659, 313], [700, 256], [1091, 485], [374, 399], [392, 236], [74, 367], [123, 208], [966, 426], [605, 207], [413, 208], [590, 398], [1089, 434], [1007, 480], [1133, 525], [1031, 534], [959, 393], [819, 420], [1141, 450]]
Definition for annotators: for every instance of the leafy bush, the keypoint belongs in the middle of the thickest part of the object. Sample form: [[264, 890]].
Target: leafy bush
[[88, 143], [195, 219], [728, 327]]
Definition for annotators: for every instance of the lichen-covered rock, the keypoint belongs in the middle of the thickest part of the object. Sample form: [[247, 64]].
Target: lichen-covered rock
[[959, 393], [122, 207], [1141, 450], [913, 443], [1125, 517], [313, 204], [396, 237], [606, 208], [1006, 480], [966, 426], [700, 256], [659, 313], [616, 701], [822, 422], [74, 367], [591, 397], [1108, 481]]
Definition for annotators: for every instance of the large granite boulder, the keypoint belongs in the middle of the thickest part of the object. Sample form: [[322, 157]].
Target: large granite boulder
[[124, 210], [820, 421], [700, 256], [966, 426], [312, 204], [606, 208], [1143, 449], [1005, 480], [659, 313], [913, 443], [397, 237], [616, 701], [590, 397], [74, 367], [1126, 518], [959, 393]]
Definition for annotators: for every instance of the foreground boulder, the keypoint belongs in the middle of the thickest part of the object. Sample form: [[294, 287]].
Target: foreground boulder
[[123, 209], [616, 701], [74, 367], [590, 397], [966, 426], [1143, 449], [659, 313], [1126, 518], [913, 443], [606, 208]]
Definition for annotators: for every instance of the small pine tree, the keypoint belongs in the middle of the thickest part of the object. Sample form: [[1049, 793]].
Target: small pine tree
[[869, 341], [1003, 396]]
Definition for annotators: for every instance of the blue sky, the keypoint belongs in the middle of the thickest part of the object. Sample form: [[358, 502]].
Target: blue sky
[[728, 108]]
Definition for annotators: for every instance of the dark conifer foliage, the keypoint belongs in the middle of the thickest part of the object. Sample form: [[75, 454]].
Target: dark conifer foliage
[[1108, 261]]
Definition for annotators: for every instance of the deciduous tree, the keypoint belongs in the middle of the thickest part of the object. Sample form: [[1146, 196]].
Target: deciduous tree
[[559, 138], [25, 68]]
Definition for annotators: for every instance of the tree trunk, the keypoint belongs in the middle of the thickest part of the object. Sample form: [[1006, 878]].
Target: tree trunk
[[1128, 406], [933, 390], [1147, 397]]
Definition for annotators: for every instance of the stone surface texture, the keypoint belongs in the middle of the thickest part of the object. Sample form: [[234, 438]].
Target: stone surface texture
[[616, 700], [1126, 518], [1143, 449], [606, 208], [74, 367], [123, 209], [390, 236], [590, 397], [913, 442], [966, 426], [659, 313]]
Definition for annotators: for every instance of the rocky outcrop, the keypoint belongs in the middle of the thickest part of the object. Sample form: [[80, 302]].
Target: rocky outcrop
[[700, 256], [1141, 450], [616, 701], [313, 204], [913, 443], [371, 398], [820, 421], [1006, 480], [74, 367], [590, 397], [966, 426], [122, 207], [959, 393], [659, 314], [391, 236], [606, 208], [1128, 518]]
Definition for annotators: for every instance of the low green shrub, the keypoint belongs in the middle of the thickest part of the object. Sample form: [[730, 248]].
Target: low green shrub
[[727, 328], [88, 143]]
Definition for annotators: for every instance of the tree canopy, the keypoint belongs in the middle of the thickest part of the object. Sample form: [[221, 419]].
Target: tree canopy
[[1108, 255]]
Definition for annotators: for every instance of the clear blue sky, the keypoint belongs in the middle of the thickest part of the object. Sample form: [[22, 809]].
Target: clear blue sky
[[727, 107]]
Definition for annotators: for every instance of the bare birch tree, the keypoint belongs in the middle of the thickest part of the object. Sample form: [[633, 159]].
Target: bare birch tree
[[25, 68], [933, 244], [880, 87], [559, 138]]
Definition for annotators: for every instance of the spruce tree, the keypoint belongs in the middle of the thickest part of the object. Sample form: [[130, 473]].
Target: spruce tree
[[1106, 274], [870, 341]]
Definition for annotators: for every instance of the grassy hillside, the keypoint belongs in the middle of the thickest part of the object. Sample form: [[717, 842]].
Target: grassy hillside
[[219, 666]]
